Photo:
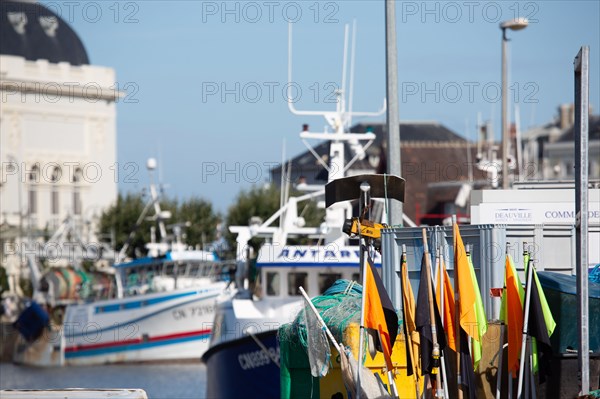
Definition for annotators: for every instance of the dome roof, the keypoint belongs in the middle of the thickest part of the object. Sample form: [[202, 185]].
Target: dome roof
[[34, 32]]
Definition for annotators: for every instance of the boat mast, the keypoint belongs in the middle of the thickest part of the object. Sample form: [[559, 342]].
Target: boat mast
[[339, 121]]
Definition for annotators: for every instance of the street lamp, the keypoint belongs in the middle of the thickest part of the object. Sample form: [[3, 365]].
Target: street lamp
[[513, 24]]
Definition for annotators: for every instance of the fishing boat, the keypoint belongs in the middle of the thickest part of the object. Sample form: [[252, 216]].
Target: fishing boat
[[244, 347], [155, 308], [170, 321]]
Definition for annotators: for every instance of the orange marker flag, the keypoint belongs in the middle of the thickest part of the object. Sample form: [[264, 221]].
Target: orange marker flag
[[448, 303], [513, 315], [380, 314]]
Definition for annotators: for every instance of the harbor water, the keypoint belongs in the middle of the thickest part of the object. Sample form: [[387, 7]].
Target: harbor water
[[160, 381]]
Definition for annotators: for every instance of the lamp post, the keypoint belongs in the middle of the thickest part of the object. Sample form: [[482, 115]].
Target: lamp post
[[394, 165], [513, 24]]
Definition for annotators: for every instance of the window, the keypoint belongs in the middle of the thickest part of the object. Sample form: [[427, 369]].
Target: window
[[76, 202], [77, 191], [32, 201], [193, 269], [182, 269], [34, 176], [54, 205], [54, 201], [296, 280], [273, 283], [326, 280], [169, 269]]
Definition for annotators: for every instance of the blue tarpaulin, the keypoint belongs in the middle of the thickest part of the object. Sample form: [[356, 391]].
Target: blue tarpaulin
[[561, 293]]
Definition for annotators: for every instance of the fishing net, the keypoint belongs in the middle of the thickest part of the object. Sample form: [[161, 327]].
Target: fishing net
[[338, 306], [317, 344]]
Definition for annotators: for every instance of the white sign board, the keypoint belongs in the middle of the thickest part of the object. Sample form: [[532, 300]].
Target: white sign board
[[539, 213]]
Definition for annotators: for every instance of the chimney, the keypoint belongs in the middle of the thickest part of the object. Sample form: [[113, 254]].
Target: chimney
[[512, 130], [566, 114]]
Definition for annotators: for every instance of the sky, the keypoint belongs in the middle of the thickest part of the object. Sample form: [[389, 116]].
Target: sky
[[205, 81]]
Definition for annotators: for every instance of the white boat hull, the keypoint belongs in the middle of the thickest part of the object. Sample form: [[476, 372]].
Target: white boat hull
[[172, 325]]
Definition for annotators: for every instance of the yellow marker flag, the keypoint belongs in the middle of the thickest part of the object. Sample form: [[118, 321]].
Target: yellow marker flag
[[409, 308], [467, 314]]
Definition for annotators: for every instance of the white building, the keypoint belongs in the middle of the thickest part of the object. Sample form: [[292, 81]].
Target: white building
[[57, 125]]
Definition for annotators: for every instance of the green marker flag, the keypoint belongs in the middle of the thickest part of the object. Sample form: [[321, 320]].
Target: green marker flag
[[480, 316], [548, 319]]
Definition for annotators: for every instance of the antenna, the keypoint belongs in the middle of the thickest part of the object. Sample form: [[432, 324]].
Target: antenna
[[330, 116], [344, 66], [468, 133], [151, 164], [518, 153], [160, 169], [283, 173], [479, 140], [352, 57]]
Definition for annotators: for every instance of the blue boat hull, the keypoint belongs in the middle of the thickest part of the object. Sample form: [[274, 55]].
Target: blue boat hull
[[241, 369]]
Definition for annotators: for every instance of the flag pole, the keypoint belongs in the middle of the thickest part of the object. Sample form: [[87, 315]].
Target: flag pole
[[510, 375], [361, 344], [390, 374], [526, 390], [364, 202], [525, 326], [441, 270], [499, 374], [502, 332], [408, 334], [436, 347], [457, 321]]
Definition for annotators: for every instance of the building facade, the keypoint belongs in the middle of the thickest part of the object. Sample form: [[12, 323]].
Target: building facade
[[57, 125], [549, 150]]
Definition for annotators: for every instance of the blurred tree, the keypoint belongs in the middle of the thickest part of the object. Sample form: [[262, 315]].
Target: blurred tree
[[202, 218], [120, 219]]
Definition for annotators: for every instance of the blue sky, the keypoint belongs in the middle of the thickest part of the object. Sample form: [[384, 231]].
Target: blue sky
[[205, 79]]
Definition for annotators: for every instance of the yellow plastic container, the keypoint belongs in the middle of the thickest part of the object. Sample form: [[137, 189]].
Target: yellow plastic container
[[332, 383]]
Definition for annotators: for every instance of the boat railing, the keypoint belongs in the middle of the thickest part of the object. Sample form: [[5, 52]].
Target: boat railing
[[174, 275]]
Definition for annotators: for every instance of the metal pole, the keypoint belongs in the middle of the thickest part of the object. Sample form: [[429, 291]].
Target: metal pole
[[459, 387], [442, 276], [436, 348], [528, 283], [582, 94], [505, 139], [500, 355], [361, 329], [393, 119], [365, 201]]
